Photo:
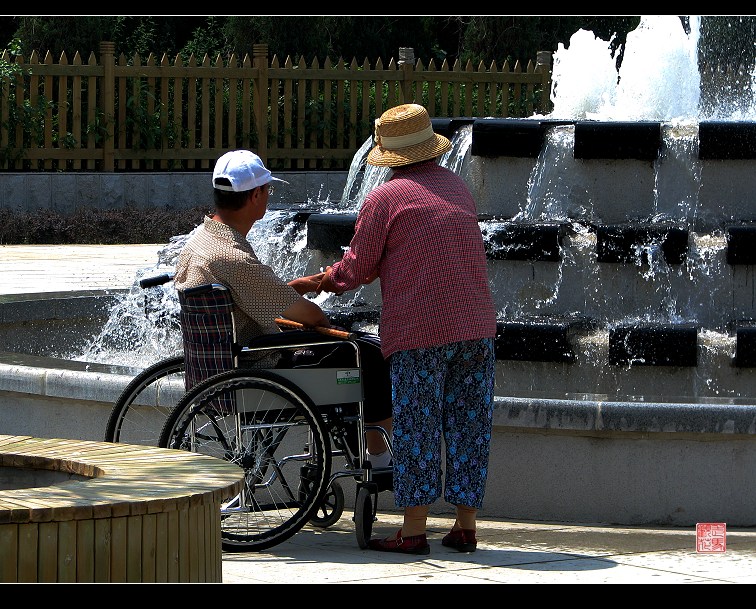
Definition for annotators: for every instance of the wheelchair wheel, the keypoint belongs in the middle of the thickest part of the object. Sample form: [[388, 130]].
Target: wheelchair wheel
[[330, 508], [270, 428], [140, 412], [364, 515]]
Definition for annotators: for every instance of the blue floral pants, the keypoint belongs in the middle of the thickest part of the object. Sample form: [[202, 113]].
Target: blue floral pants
[[442, 391]]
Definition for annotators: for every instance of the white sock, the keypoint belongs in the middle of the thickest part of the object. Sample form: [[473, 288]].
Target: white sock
[[380, 460]]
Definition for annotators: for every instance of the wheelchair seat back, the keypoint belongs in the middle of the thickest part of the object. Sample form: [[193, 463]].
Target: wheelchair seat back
[[207, 331]]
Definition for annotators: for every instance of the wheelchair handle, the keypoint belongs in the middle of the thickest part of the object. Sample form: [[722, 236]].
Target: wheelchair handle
[[149, 282], [322, 329]]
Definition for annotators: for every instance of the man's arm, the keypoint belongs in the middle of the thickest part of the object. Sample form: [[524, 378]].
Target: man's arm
[[306, 312]]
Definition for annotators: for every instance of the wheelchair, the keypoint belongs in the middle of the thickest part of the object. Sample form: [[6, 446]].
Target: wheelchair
[[289, 409]]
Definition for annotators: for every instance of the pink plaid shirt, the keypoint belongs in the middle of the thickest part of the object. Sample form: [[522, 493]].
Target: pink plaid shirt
[[419, 232]]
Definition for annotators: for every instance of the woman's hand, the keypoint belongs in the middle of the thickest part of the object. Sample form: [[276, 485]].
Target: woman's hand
[[309, 283], [326, 283]]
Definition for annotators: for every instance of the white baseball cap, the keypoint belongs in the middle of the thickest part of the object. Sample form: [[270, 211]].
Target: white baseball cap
[[244, 169]]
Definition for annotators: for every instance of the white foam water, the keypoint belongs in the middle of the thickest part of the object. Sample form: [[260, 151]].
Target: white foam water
[[658, 78]]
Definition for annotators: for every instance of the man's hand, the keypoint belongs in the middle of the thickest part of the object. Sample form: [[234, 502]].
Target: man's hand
[[309, 283]]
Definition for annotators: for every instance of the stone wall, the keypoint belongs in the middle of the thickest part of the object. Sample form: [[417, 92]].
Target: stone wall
[[69, 191]]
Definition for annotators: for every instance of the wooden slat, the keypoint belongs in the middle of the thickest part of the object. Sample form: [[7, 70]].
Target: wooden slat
[[20, 97], [49, 96], [340, 105], [9, 545], [119, 549], [301, 107], [85, 550], [5, 96], [151, 96], [47, 570], [177, 115], [274, 91], [28, 556], [233, 93], [161, 547], [191, 114], [103, 553], [218, 87], [149, 548], [352, 141], [92, 118], [66, 557], [121, 141], [173, 547], [164, 108], [205, 109], [328, 143], [288, 120]]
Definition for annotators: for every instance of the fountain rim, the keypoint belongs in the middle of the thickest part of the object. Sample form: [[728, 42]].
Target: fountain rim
[[597, 414]]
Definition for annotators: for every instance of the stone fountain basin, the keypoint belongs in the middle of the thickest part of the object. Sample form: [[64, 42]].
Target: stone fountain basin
[[558, 453]]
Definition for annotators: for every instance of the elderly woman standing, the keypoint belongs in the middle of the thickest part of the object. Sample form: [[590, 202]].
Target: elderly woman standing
[[418, 232]]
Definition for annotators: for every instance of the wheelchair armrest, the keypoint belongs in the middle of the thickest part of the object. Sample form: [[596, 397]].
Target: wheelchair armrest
[[284, 339]]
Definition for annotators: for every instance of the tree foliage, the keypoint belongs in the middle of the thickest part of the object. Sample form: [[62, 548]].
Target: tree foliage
[[486, 38]]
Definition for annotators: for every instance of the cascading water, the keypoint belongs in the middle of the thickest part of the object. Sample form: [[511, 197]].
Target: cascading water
[[658, 80]]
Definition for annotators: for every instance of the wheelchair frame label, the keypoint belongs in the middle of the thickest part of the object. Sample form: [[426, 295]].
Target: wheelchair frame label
[[347, 377]]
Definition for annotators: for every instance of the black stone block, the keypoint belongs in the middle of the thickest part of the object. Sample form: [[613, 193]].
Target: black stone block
[[349, 317], [617, 140], [301, 217], [514, 137], [620, 242], [295, 212], [449, 126], [533, 341], [330, 232], [745, 346], [519, 241], [653, 345], [741, 245], [726, 140]]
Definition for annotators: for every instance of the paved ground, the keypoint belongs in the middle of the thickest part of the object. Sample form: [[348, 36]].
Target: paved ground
[[508, 551], [26, 269]]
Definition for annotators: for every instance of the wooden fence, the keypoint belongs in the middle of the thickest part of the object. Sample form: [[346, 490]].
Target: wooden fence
[[130, 115]]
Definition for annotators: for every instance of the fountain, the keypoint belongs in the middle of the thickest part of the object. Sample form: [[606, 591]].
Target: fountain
[[620, 237]]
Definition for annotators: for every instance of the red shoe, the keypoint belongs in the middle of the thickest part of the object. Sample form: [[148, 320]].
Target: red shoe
[[462, 540], [418, 544]]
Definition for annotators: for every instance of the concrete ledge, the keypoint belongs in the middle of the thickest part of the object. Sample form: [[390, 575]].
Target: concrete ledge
[[598, 415], [138, 515]]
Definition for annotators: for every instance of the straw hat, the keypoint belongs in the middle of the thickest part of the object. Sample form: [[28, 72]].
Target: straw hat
[[403, 135]]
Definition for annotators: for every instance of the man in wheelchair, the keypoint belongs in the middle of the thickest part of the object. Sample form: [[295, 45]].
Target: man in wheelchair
[[219, 253]]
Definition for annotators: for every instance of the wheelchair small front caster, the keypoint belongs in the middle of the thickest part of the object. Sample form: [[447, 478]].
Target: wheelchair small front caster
[[331, 507], [364, 512]]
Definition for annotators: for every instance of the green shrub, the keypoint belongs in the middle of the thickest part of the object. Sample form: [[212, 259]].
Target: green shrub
[[127, 225]]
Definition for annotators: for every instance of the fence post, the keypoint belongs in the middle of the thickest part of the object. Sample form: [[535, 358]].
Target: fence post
[[107, 59], [260, 61], [407, 66], [543, 65]]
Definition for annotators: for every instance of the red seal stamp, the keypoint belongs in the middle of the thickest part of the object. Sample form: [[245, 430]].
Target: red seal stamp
[[711, 537]]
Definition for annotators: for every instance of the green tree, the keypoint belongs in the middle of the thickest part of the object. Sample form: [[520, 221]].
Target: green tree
[[728, 40], [515, 37]]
